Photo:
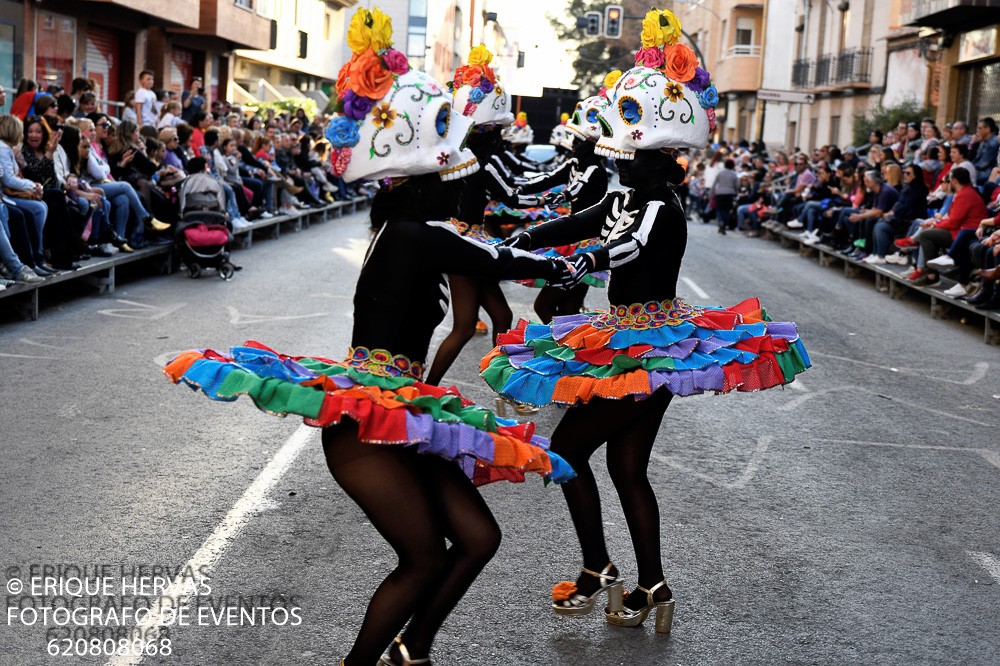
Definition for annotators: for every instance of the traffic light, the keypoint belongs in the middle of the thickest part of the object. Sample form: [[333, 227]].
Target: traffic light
[[592, 25], [613, 15]]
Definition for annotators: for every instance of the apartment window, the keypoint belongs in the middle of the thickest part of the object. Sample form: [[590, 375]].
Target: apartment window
[[274, 35], [245, 4], [723, 38], [744, 31], [835, 130], [327, 18], [813, 127], [267, 9], [303, 45], [416, 33]]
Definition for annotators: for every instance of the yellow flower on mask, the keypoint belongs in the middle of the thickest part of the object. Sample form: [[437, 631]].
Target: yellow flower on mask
[[480, 56], [660, 27], [612, 78], [382, 30], [369, 30]]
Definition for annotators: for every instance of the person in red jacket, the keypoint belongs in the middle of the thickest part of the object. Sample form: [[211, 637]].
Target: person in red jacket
[[936, 236]]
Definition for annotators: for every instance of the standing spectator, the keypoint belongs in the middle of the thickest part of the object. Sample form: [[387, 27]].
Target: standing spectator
[[193, 100], [145, 100], [986, 147], [78, 87], [724, 189]]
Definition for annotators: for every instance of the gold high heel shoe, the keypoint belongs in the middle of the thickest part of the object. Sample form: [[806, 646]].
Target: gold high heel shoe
[[567, 602], [156, 225], [633, 618], [386, 660]]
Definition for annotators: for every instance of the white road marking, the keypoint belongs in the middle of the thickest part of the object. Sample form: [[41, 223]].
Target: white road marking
[[140, 310], [990, 456], [698, 291], [745, 477], [986, 561], [977, 375], [236, 317], [797, 402], [252, 503]]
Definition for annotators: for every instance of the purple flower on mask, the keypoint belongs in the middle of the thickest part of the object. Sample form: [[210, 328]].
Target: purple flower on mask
[[700, 81], [486, 86], [357, 107]]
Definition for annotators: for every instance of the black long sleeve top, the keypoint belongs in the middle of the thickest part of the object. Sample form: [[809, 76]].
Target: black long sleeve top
[[586, 183], [643, 242], [402, 293], [488, 184]]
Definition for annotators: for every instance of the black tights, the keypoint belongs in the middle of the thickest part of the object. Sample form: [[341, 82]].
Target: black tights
[[629, 427], [552, 302], [415, 502], [467, 295]]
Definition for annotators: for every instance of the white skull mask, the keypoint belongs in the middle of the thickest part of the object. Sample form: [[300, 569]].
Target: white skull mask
[[493, 108], [583, 123], [412, 130], [648, 111]]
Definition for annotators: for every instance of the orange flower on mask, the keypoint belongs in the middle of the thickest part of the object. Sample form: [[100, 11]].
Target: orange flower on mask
[[681, 62], [368, 77]]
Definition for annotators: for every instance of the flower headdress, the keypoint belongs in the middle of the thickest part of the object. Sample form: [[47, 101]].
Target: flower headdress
[[477, 90], [365, 79], [406, 134], [660, 50]]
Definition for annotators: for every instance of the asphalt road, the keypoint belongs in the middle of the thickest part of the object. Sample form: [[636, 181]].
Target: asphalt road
[[850, 518]]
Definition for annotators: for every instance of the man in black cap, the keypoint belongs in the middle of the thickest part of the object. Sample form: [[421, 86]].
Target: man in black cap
[[193, 100]]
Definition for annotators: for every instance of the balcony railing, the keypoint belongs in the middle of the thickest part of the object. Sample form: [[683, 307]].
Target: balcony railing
[[743, 50], [941, 13], [850, 67]]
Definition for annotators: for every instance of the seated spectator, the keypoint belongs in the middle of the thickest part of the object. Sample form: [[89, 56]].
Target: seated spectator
[[168, 137], [13, 268], [882, 197], [38, 153], [815, 199], [128, 111], [967, 211], [959, 154], [306, 161], [24, 99], [911, 204], [183, 150], [986, 150], [170, 115], [965, 251], [87, 105], [985, 255], [129, 163]]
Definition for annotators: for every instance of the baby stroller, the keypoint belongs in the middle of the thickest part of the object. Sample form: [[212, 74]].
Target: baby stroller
[[204, 233]]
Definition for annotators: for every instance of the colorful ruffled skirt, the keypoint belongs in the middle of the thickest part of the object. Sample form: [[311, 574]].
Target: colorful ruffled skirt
[[383, 395], [637, 349]]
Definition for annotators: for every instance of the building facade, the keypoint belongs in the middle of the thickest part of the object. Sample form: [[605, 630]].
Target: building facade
[[728, 35]]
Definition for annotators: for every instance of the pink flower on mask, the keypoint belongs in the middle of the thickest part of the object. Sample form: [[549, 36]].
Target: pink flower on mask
[[650, 57], [396, 62]]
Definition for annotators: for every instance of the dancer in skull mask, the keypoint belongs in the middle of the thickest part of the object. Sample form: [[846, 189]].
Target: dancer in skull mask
[[586, 183], [479, 96], [406, 452], [618, 370]]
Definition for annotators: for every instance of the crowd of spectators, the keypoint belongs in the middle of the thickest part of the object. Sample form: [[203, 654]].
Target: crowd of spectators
[[79, 181], [915, 195]]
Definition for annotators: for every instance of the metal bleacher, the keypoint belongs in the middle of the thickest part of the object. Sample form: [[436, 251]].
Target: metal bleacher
[[100, 272]]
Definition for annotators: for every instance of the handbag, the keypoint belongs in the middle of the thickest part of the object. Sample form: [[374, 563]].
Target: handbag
[[21, 194]]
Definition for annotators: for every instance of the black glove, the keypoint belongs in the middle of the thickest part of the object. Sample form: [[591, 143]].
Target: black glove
[[521, 241], [569, 272]]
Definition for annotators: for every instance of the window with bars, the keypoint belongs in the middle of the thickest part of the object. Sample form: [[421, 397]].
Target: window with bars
[[744, 32], [245, 4], [978, 93]]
